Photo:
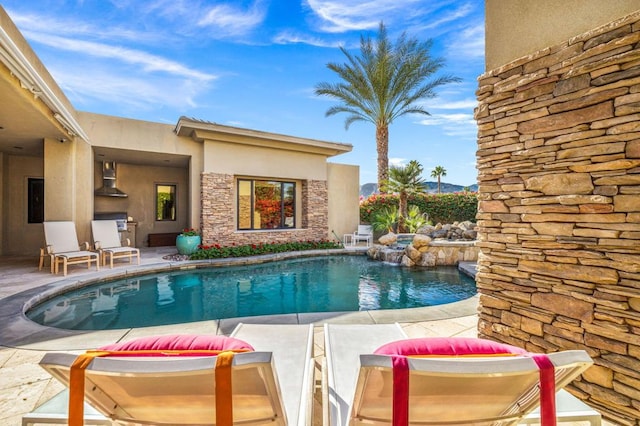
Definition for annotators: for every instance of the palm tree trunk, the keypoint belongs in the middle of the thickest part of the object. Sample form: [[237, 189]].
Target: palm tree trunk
[[438, 184], [382, 146], [402, 212]]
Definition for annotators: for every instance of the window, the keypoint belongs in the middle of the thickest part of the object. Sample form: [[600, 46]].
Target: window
[[165, 202], [266, 204], [35, 200]]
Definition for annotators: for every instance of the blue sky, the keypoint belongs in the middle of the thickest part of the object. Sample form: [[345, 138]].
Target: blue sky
[[255, 64]]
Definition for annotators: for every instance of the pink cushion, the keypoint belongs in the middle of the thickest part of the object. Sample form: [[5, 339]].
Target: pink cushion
[[181, 342], [447, 346]]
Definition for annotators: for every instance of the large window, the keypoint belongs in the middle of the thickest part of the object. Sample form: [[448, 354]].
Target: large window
[[165, 202], [266, 204]]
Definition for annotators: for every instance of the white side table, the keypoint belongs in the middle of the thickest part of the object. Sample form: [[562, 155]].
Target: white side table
[[347, 240]]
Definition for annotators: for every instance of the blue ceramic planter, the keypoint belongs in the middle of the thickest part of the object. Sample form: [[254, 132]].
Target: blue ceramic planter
[[187, 244]]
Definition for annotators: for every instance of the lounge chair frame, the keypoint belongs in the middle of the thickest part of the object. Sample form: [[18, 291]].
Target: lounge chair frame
[[63, 248], [106, 240], [287, 349], [353, 379]]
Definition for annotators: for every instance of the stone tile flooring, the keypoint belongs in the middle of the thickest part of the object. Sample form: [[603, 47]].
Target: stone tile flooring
[[24, 385]]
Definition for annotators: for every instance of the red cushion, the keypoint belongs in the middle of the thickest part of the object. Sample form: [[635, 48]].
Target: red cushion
[[447, 346], [181, 342]]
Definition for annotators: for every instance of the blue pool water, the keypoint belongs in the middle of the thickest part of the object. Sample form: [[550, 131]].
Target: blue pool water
[[322, 284]]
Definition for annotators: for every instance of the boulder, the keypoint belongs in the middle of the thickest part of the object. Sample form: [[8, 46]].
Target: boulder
[[412, 253], [439, 234], [426, 230], [427, 259], [420, 240], [470, 234], [406, 261], [388, 239]]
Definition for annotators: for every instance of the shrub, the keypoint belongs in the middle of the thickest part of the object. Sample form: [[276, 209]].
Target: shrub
[[415, 219], [216, 251], [440, 208]]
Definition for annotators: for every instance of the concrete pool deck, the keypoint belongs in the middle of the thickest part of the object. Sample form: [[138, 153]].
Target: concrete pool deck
[[24, 385]]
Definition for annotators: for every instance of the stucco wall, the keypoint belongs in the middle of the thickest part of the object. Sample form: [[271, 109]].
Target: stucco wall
[[138, 182], [343, 182], [559, 212], [251, 160], [20, 238], [515, 28], [2, 204], [149, 144]]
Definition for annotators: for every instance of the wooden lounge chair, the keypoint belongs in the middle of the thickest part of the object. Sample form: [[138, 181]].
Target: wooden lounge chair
[[63, 248], [271, 384], [361, 387], [106, 240]]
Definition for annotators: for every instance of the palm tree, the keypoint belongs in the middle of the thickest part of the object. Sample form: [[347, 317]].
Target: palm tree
[[405, 180], [437, 172], [385, 82]]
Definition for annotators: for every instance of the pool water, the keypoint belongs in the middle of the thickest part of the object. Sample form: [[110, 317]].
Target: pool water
[[322, 284]]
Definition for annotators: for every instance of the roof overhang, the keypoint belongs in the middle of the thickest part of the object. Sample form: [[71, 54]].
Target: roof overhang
[[26, 73], [200, 131]]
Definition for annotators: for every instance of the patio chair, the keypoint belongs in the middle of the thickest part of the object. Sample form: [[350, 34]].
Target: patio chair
[[62, 247], [364, 233], [106, 240], [361, 386], [166, 382]]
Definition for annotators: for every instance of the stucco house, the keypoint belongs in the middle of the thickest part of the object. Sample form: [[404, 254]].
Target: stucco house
[[235, 185]]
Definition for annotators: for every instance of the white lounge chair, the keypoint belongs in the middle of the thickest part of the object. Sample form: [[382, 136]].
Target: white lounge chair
[[63, 248], [106, 239], [180, 390], [364, 233], [358, 385]]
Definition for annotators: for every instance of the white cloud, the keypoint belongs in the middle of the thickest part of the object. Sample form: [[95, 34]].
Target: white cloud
[[461, 12], [232, 20], [461, 104], [287, 37], [440, 119], [348, 15], [128, 92], [459, 124], [148, 62], [397, 161], [468, 43], [50, 25]]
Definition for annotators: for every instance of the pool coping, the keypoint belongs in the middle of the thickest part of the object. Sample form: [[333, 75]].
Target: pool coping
[[17, 331]]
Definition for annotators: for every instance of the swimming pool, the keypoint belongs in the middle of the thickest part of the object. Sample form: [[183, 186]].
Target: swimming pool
[[322, 284]]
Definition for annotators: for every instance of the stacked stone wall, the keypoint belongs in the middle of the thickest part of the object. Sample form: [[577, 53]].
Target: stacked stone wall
[[559, 213], [218, 219]]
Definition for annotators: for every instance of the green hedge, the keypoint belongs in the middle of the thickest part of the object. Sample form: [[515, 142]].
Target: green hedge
[[216, 251], [442, 208]]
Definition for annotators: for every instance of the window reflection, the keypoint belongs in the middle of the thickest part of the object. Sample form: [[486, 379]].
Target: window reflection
[[165, 202], [266, 204]]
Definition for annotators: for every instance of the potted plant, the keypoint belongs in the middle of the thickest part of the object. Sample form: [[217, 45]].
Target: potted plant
[[188, 241]]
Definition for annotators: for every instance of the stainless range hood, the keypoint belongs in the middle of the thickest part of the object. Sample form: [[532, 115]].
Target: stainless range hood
[[109, 181]]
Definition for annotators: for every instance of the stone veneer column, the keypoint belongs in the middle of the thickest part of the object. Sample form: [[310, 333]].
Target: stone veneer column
[[559, 213], [219, 223]]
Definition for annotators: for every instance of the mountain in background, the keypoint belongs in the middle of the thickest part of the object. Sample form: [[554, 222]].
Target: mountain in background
[[430, 187]]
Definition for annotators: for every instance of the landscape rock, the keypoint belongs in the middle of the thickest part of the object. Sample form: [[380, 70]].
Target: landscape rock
[[420, 240], [427, 259], [412, 252], [406, 261], [388, 239]]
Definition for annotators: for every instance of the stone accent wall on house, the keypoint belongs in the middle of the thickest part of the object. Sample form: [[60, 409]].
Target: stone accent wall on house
[[218, 219], [559, 212]]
